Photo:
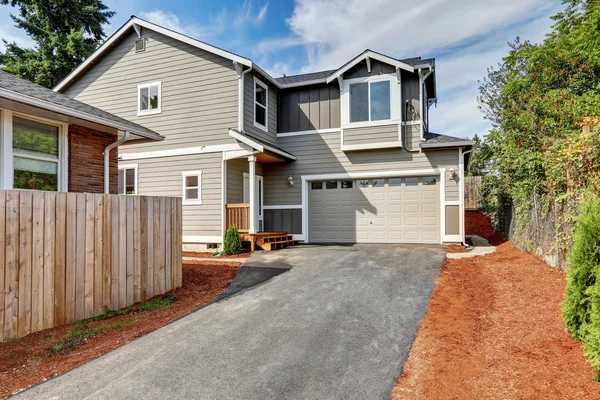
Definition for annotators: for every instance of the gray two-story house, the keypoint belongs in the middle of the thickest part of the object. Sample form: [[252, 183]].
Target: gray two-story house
[[342, 155]]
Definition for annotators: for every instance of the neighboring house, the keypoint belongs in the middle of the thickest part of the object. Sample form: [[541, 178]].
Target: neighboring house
[[49, 141], [342, 155]]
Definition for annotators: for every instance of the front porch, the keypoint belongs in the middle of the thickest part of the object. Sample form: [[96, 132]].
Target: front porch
[[239, 214], [244, 192]]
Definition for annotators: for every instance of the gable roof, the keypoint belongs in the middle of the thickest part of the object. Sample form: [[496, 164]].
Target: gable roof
[[259, 144], [375, 56], [23, 91], [136, 23]]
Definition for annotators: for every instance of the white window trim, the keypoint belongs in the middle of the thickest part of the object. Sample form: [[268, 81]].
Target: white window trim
[[185, 201], [6, 153], [395, 101], [135, 168], [264, 127], [139, 90]]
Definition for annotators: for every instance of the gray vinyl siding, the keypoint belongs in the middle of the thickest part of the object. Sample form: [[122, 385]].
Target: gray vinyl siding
[[235, 179], [412, 137], [199, 91], [309, 108], [371, 135], [321, 154], [271, 136], [452, 186], [377, 68], [163, 177]]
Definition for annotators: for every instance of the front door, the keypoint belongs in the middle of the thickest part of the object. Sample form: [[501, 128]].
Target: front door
[[258, 213]]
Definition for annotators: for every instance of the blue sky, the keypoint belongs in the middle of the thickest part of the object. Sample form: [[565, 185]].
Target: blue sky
[[465, 37]]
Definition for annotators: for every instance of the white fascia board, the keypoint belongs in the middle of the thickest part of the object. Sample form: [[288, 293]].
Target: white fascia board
[[167, 32], [46, 105], [180, 152], [371, 55], [371, 146], [372, 174]]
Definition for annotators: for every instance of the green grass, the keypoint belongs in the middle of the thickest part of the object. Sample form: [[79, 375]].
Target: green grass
[[81, 332], [160, 303]]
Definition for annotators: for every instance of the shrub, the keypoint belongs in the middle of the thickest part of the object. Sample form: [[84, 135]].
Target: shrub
[[233, 243], [581, 308]]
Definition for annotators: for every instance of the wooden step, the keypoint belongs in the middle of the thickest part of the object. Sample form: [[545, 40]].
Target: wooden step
[[277, 245], [271, 239]]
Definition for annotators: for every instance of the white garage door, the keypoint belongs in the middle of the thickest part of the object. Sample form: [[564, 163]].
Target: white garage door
[[386, 210]]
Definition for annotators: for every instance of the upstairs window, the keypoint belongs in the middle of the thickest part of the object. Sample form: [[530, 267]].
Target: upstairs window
[[149, 98], [261, 105], [128, 179], [370, 101], [192, 187]]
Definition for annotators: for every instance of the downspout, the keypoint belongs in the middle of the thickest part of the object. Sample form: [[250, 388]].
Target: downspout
[[462, 203], [241, 99], [106, 155]]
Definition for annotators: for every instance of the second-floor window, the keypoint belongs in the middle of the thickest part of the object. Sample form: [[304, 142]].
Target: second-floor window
[[261, 105], [370, 101], [149, 98]]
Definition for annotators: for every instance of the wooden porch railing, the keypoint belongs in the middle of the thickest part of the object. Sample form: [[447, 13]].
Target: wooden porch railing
[[238, 215]]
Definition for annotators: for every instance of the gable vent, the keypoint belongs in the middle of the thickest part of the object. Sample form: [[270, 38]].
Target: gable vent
[[140, 45]]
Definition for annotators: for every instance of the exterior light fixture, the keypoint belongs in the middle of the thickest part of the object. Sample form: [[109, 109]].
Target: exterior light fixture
[[291, 180]]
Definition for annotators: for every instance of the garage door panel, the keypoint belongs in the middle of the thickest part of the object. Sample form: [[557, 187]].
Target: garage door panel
[[406, 211]]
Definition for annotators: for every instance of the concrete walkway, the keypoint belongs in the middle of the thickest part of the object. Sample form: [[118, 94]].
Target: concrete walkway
[[338, 323]]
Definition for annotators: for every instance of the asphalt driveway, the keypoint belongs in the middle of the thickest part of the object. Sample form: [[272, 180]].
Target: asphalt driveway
[[337, 325]]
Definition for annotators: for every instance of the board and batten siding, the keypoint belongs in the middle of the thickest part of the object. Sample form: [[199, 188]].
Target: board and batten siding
[[199, 91], [235, 178], [271, 135], [163, 177], [321, 154], [371, 135], [309, 108]]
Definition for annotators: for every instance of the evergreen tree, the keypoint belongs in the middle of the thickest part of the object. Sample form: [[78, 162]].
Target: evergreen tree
[[66, 32]]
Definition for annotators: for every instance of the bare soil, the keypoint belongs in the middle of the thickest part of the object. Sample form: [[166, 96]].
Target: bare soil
[[494, 330], [31, 360]]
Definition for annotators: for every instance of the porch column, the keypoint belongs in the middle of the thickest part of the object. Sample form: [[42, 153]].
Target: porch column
[[252, 193]]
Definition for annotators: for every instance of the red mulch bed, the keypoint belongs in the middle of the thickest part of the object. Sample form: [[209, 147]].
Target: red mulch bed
[[202, 254], [30, 360], [494, 331]]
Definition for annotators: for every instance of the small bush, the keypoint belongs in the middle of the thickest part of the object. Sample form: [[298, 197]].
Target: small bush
[[233, 243], [581, 308]]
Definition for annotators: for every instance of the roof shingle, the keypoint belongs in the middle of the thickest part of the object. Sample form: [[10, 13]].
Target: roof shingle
[[20, 86]]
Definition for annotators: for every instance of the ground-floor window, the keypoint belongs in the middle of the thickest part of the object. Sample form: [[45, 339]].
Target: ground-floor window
[[192, 187], [34, 153], [128, 179]]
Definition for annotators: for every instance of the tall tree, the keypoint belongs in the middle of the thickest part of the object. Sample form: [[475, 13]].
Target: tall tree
[[66, 32]]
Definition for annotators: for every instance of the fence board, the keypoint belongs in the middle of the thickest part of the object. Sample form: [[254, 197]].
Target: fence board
[[49, 255], [25, 253], [472, 192], [98, 253], [136, 250], [37, 262], [11, 266], [65, 257]]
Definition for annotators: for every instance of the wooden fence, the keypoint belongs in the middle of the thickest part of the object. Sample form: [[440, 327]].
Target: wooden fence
[[472, 192], [65, 257]]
